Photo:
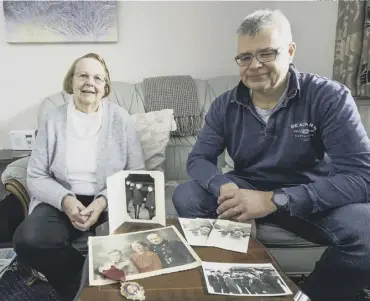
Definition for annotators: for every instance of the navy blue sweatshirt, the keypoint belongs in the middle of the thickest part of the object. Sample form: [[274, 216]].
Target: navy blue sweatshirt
[[313, 146]]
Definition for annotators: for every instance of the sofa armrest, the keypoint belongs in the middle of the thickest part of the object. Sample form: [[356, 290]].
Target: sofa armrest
[[14, 179], [17, 189]]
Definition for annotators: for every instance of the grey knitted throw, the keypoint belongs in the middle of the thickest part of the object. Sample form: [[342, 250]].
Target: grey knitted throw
[[178, 93]]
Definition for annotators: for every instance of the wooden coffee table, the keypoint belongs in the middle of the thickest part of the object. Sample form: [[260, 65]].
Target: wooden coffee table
[[188, 285]]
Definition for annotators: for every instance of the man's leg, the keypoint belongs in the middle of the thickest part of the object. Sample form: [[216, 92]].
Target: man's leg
[[192, 200], [344, 268], [42, 242]]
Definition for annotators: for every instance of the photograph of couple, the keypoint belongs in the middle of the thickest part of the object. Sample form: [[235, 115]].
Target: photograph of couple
[[139, 255]]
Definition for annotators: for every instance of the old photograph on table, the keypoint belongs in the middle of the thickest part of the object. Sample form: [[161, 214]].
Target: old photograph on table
[[244, 279], [139, 254], [196, 230], [229, 235], [136, 196]]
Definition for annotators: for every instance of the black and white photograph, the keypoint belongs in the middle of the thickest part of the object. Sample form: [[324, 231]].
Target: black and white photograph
[[139, 255], [140, 196], [244, 279], [136, 196], [229, 235], [196, 230]]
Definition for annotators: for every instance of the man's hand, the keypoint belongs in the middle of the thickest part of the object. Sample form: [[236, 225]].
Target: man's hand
[[72, 208], [246, 205], [92, 213], [227, 191]]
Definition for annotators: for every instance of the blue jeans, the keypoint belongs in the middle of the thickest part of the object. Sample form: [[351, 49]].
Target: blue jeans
[[344, 268]]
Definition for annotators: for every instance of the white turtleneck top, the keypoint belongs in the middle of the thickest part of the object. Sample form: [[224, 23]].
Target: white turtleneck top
[[82, 144]]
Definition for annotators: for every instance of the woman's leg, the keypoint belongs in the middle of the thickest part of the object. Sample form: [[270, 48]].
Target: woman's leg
[[42, 241]]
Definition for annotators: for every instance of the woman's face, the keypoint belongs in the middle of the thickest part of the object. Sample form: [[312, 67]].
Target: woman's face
[[88, 84], [137, 247]]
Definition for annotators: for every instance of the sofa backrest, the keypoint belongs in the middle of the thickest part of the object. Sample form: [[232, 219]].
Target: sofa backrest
[[131, 97]]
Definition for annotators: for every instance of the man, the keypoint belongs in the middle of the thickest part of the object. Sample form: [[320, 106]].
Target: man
[[301, 155], [150, 202], [220, 277], [137, 200], [238, 279], [171, 253], [231, 285], [213, 281], [129, 194]]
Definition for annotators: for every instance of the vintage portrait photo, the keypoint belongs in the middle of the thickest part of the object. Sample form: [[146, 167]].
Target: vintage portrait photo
[[229, 235], [140, 196], [136, 196], [139, 254], [196, 230], [244, 279]]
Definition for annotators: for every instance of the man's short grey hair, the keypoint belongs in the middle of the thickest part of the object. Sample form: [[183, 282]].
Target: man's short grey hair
[[266, 18]]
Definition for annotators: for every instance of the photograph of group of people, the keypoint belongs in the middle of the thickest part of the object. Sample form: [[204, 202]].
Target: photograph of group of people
[[244, 279], [224, 234], [139, 254], [136, 196], [196, 230], [140, 196]]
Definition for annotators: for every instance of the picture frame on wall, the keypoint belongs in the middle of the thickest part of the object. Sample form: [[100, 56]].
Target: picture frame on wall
[[60, 21]]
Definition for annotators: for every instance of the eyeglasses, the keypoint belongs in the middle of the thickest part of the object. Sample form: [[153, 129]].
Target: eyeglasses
[[265, 56], [83, 77]]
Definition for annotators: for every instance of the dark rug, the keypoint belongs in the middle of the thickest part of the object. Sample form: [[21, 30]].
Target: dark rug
[[13, 286]]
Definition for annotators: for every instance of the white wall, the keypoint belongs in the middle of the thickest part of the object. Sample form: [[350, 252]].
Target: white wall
[[157, 38]]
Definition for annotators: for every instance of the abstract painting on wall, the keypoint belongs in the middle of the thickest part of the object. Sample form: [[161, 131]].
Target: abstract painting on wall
[[60, 21]]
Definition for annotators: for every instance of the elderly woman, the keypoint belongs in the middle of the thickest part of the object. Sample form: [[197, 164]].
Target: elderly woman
[[78, 146], [144, 260]]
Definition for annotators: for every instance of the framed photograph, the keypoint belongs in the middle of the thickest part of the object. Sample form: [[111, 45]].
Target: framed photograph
[[240, 279], [229, 235], [139, 254], [136, 196]]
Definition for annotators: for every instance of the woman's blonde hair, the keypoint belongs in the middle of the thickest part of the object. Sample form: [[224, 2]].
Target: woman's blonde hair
[[67, 82]]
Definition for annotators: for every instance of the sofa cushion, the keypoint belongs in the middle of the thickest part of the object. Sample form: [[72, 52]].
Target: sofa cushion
[[177, 153], [273, 236], [154, 130]]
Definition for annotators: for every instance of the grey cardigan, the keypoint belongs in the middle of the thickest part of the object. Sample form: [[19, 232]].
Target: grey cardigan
[[118, 148]]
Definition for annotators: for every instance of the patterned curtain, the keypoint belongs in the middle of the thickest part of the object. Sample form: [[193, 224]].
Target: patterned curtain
[[363, 79], [349, 45]]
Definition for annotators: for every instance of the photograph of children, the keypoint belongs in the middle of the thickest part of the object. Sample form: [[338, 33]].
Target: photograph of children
[[244, 279], [229, 235], [139, 255], [196, 230], [140, 196]]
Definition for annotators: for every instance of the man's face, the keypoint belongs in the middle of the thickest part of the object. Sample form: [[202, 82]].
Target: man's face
[[154, 239], [265, 77]]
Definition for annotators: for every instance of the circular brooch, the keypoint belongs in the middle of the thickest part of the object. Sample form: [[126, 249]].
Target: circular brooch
[[132, 290]]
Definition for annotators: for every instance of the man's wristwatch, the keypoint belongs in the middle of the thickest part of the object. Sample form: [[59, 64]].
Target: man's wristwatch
[[281, 200]]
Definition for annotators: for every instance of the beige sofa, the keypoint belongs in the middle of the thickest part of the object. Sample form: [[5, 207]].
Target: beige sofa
[[295, 255]]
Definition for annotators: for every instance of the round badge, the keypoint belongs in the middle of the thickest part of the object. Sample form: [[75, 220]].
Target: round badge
[[132, 290]]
